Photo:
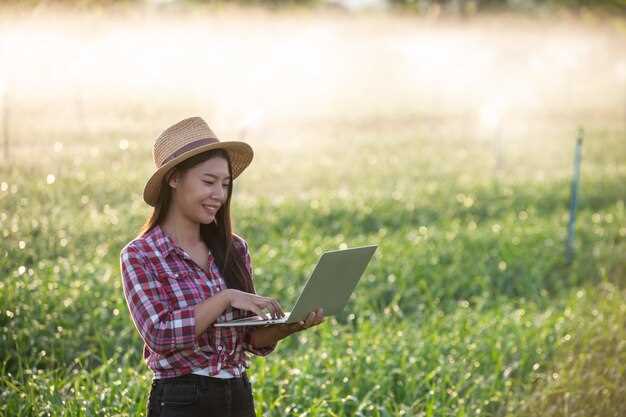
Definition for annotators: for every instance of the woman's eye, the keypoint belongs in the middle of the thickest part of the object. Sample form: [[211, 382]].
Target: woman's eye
[[212, 182]]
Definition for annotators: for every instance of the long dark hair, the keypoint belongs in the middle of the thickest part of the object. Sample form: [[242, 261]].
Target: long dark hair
[[217, 237]]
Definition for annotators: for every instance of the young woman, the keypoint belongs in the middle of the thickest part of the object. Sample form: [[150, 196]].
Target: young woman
[[187, 270]]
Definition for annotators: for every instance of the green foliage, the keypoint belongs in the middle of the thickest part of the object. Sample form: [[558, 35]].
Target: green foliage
[[473, 6], [588, 379], [423, 6], [466, 309]]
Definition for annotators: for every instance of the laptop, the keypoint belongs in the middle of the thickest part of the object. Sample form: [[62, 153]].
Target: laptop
[[330, 285]]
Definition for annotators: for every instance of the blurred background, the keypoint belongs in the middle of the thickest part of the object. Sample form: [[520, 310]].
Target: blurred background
[[443, 131], [76, 70]]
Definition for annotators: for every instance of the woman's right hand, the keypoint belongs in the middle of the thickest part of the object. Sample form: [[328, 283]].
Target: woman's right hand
[[254, 302]]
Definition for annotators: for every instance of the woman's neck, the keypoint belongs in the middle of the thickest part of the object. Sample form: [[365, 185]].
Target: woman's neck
[[185, 233]]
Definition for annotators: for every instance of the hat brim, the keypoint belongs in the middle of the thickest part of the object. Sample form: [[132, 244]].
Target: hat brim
[[240, 154]]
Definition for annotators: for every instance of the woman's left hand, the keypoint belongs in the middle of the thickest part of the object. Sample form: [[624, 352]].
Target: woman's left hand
[[313, 319]]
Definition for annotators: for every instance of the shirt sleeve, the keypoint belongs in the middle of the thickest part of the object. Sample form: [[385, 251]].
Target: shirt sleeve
[[162, 329], [247, 344]]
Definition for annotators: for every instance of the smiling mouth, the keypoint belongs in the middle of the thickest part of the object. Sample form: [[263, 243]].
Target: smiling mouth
[[211, 209]]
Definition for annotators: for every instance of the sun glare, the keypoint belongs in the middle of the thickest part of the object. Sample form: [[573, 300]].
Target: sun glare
[[248, 71]]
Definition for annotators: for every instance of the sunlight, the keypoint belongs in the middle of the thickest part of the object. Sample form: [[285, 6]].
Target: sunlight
[[491, 114], [245, 74], [620, 71]]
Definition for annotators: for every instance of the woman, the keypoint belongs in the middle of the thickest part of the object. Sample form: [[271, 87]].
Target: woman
[[187, 270]]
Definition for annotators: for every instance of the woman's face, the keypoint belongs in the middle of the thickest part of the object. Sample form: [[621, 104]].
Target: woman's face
[[202, 190]]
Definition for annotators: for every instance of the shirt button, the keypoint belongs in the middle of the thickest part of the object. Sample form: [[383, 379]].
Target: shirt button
[[220, 347]]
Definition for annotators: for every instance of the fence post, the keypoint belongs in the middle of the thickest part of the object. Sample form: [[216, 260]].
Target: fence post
[[569, 249]]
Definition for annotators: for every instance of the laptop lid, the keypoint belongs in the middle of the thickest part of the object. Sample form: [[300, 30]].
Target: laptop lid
[[330, 285], [334, 278]]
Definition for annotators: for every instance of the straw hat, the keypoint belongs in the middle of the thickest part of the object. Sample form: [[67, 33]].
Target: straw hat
[[183, 140]]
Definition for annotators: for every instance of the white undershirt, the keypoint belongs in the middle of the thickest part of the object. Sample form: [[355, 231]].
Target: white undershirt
[[205, 371]]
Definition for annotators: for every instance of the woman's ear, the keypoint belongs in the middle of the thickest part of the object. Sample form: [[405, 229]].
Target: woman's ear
[[172, 178]]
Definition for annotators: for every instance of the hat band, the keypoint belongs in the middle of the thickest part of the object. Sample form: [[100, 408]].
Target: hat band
[[188, 147]]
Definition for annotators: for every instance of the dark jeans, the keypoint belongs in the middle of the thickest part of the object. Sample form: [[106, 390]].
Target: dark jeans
[[198, 395]]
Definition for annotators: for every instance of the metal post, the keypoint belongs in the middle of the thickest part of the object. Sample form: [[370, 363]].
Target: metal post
[[569, 249]]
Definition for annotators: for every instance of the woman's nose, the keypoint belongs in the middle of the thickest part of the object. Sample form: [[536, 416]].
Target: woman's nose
[[219, 194]]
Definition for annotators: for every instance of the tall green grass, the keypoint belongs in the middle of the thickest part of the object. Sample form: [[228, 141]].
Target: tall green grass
[[466, 309]]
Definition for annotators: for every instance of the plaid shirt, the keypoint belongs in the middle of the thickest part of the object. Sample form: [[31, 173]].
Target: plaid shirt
[[162, 284]]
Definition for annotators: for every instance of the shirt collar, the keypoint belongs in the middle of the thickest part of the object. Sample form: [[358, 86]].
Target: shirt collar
[[162, 240], [164, 243]]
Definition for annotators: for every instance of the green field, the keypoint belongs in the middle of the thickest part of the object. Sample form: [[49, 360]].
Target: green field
[[467, 309]]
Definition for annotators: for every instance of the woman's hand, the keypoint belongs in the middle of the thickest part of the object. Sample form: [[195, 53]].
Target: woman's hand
[[313, 319], [270, 334], [253, 302]]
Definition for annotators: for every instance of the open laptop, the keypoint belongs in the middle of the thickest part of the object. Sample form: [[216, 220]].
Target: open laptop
[[334, 278]]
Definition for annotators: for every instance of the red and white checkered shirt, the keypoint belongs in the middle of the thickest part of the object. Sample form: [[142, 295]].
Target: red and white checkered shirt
[[162, 284]]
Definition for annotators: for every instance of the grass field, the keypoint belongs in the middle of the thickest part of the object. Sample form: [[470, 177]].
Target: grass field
[[467, 309]]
